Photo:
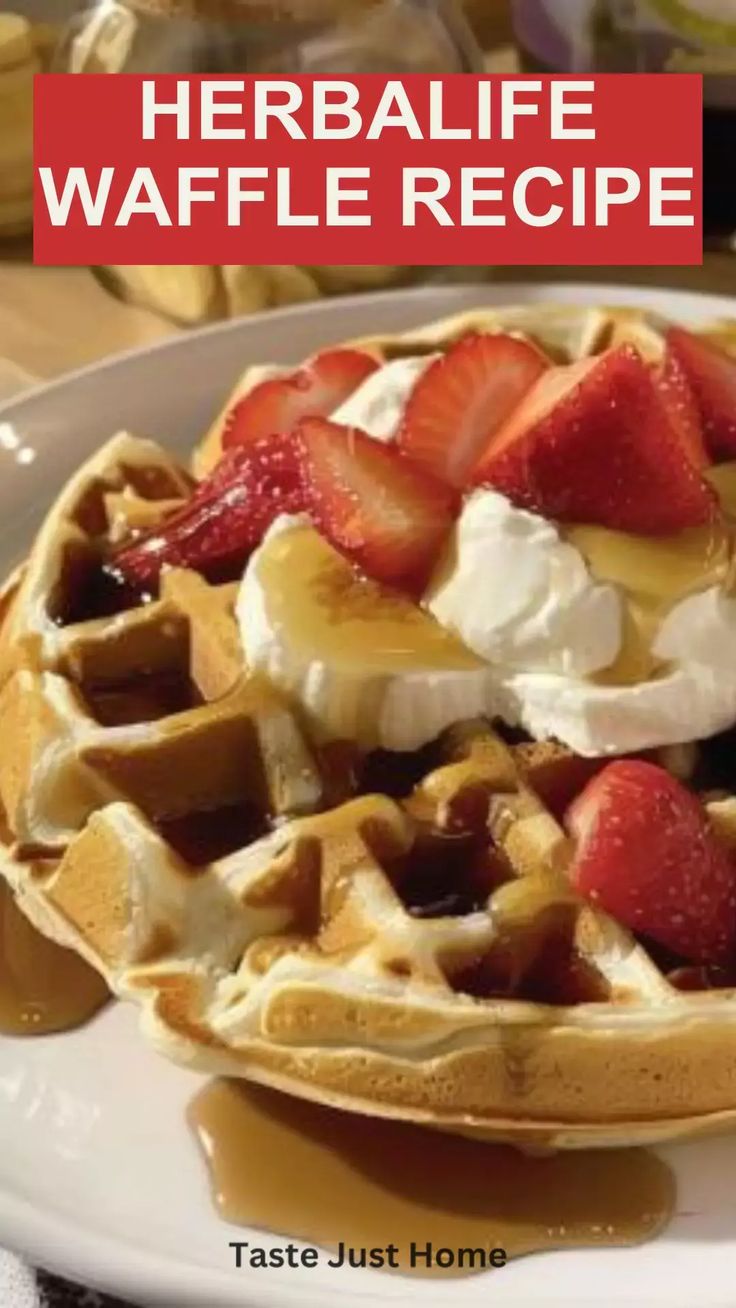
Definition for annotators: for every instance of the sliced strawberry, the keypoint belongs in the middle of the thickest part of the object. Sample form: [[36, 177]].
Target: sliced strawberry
[[647, 854], [461, 400], [591, 442], [683, 412], [224, 520], [316, 390], [373, 505], [712, 375]]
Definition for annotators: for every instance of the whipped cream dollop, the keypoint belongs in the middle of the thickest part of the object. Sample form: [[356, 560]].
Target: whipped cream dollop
[[523, 598], [377, 406], [691, 702], [520, 596]]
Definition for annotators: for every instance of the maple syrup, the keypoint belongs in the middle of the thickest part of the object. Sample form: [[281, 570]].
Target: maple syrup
[[43, 988], [202, 838], [144, 698], [341, 618], [654, 573], [722, 476], [361, 1184]]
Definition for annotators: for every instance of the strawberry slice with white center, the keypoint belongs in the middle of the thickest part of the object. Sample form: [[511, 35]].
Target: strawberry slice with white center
[[373, 504], [683, 411], [317, 389], [646, 853], [591, 442], [712, 375], [463, 398], [225, 519]]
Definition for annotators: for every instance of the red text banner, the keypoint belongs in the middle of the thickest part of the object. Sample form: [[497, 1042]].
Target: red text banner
[[418, 170]]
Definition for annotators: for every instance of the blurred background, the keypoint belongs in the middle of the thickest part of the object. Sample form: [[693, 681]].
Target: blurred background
[[54, 319]]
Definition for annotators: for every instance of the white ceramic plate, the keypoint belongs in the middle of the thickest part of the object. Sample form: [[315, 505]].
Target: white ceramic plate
[[99, 1178]]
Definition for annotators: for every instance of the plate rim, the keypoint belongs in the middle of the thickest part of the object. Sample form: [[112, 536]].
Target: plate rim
[[498, 292]]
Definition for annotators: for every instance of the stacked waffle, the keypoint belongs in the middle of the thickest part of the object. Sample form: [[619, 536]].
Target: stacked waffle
[[398, 936]]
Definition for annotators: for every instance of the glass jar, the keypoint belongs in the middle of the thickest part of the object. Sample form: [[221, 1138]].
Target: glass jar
[[697, 36], [269, 36], [280, 37]]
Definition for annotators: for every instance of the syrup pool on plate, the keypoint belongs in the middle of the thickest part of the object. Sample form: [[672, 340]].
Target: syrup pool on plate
[[328, 1177]]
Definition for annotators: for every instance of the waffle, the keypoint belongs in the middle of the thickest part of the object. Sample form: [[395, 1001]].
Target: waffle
[[395, 940]]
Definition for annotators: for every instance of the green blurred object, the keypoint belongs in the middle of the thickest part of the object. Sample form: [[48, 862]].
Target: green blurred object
[[696, 36]]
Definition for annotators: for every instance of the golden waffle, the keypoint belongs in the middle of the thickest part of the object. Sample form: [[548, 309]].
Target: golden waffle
[[152, 702], [417, 953]]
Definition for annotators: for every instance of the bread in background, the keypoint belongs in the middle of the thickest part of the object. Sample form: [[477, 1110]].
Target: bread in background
[[18, 65], [190, 295]]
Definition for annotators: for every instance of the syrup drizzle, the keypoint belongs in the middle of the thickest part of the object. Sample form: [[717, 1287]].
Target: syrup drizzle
[[317, 1174], [653, 574]]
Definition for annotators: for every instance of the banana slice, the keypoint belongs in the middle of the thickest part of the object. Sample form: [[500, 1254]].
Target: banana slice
[[364, 662]]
